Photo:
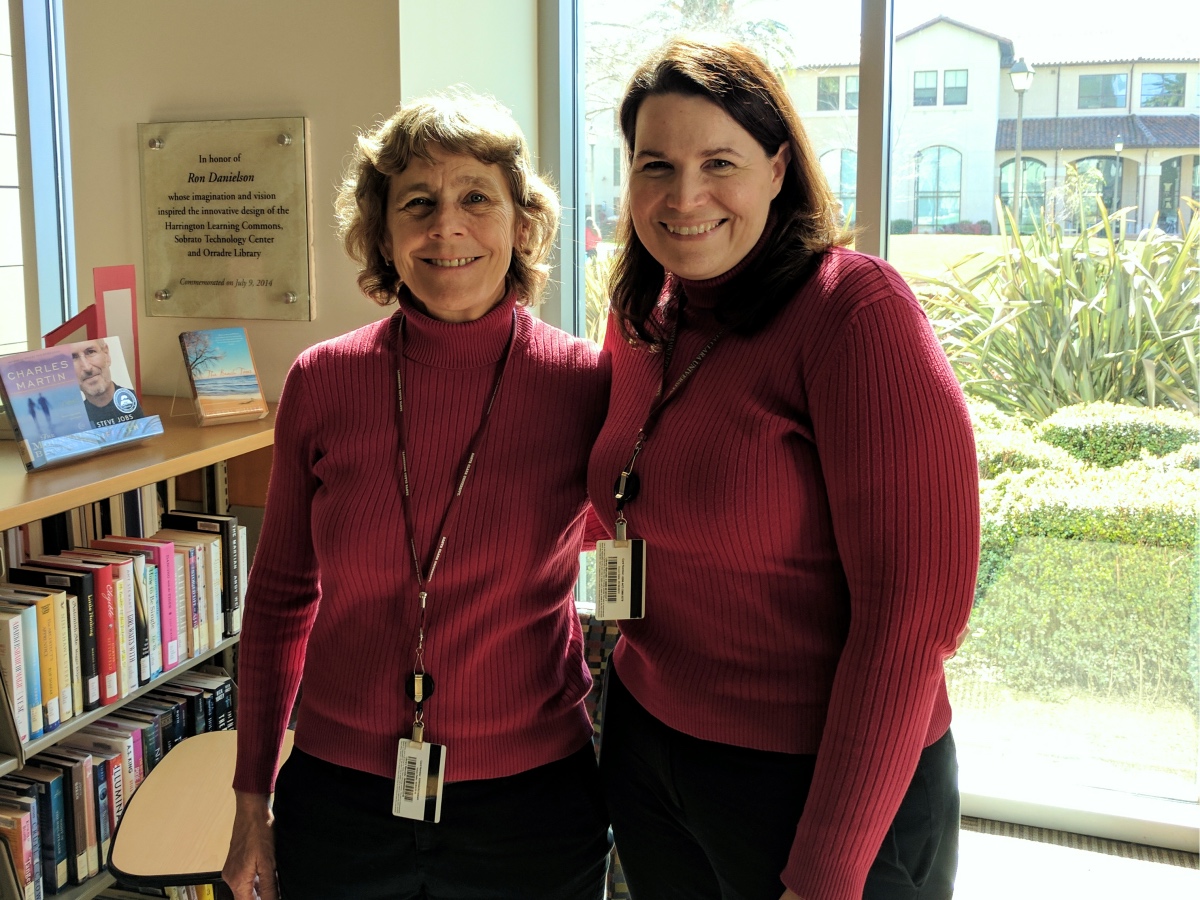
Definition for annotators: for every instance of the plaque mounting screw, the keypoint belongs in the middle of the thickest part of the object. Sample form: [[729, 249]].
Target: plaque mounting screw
[[284, 139], [289, 297], [162, 295], [155, 143]]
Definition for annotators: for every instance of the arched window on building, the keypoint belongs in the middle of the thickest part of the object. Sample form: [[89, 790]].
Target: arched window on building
[[1096, 176], [939, 189], [841, 171], [1174, 183], [1033, 188]]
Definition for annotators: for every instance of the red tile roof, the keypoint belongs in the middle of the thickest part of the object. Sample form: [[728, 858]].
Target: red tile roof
[[1099, 132]]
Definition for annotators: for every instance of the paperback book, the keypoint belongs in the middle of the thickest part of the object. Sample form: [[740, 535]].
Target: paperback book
[[70, 401], [222, 376]]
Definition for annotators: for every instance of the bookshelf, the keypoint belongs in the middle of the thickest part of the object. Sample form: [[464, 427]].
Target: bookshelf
[[183, 447]]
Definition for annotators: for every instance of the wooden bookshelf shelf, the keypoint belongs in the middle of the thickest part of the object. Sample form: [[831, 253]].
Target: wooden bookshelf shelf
[[183, 447]]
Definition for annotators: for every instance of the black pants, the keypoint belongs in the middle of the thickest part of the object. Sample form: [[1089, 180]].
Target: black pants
[[679, 838], [538, 835]]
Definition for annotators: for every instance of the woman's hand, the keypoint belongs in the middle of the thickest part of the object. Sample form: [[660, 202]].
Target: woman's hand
[[790, 895], [250, 866]]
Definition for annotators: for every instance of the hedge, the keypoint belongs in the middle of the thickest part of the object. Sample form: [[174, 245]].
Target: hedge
[[1088, 576], [1107, 434]]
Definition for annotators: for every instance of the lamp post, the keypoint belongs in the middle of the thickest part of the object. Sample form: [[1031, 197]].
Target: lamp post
[[1021, 76]]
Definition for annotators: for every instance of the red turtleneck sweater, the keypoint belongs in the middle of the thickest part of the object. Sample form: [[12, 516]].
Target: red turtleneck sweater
[[810, 507], [333, 595]]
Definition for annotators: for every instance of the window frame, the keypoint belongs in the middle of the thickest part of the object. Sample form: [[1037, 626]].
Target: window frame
[[828, 101], [928, 94], [947, 87], [1180, 96], [1119, 100]]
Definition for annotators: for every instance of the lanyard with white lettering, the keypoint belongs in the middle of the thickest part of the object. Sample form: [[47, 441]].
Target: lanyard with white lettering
[[419, 685], [628, 485]]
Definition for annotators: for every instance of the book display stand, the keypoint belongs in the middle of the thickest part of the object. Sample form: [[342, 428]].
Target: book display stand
[[182, 448]]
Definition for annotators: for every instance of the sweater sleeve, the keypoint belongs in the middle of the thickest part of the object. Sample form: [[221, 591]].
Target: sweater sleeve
[[283, 593], [897, 452]]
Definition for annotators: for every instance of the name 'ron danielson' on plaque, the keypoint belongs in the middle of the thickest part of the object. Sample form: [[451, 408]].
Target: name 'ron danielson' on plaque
[[226, 218]]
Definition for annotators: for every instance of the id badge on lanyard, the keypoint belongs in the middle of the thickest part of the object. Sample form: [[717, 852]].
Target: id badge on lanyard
[[621, 562]]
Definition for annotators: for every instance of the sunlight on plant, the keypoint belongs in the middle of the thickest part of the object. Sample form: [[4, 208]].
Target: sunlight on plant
[[1051, 322], [597, 273]]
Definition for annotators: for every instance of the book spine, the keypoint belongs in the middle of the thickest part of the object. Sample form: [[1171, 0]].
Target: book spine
[[100, 777], [62, 634], [126, 640], [14, 827], [148, 585], [48, 649], [89, 804], [33, 673], [107, 653], [243, 546], [141, 623], [76, 672], [12, 667]]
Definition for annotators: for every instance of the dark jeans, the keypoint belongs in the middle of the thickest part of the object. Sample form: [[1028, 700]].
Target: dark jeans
[[537, 835], [679, 838]]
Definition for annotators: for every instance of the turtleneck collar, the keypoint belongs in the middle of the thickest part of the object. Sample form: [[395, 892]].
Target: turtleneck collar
[[706, 294], [456, 345]]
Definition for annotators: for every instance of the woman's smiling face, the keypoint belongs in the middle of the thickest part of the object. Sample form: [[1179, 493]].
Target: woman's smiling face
[[451, 229], [701, 186]]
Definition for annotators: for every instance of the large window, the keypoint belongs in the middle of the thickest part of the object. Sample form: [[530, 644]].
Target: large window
[[12, 270], [841, 171], [1101, 91], [828, 88], [1163, 90], [939, 189], [925, 88], [1033, 189], [954, 93]]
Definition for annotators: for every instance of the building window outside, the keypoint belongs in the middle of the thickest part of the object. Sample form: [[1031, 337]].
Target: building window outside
[[1163, 90], [954, 92], [841, 170], [939, 189], [1102, 91], [925, 88], [828, 88], [851, 92], [1033, 189]]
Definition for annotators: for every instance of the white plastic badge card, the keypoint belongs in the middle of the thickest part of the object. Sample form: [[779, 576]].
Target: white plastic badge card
[[620, 579], [420, 771]]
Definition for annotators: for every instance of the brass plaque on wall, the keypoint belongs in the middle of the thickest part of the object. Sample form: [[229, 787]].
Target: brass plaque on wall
[[226, 220]]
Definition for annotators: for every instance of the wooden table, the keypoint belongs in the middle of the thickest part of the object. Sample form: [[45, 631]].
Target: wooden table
[[176, 829]]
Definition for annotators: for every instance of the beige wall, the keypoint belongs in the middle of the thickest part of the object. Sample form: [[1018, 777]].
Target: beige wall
[[338, 64]]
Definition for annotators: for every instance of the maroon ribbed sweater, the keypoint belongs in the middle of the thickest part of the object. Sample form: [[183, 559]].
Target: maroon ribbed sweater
[[811, 511], [333, 594]]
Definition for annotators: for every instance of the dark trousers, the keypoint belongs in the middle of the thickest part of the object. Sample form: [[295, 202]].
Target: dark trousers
[[537, 835], [682, 834]]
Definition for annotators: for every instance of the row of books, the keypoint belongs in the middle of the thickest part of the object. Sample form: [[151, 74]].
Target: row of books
[[86, 627], [58, 812]]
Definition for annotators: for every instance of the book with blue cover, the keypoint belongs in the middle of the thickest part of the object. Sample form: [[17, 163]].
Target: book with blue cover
[[221, 372], [70, 401]]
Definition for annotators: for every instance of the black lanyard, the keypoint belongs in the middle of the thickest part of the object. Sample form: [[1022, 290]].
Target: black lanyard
[[420, 686], [627, 485]]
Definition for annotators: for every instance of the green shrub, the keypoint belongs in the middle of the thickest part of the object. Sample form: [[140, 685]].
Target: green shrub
[[1106, 435], [1004, 443], [1087, 579], [901, 226], [1051, 322], [1069, 615]]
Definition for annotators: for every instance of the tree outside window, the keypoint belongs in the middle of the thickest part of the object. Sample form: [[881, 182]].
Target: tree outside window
[[925, 88], [954, 92], [1102, 91], [1163, 90], [828, 88]]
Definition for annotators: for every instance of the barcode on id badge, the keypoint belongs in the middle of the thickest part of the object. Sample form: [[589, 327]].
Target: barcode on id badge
[[610, 594], [412, 769]]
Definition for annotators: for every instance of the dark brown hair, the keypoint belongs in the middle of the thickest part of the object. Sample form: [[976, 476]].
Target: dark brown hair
[[458, 123], [804, 213]]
